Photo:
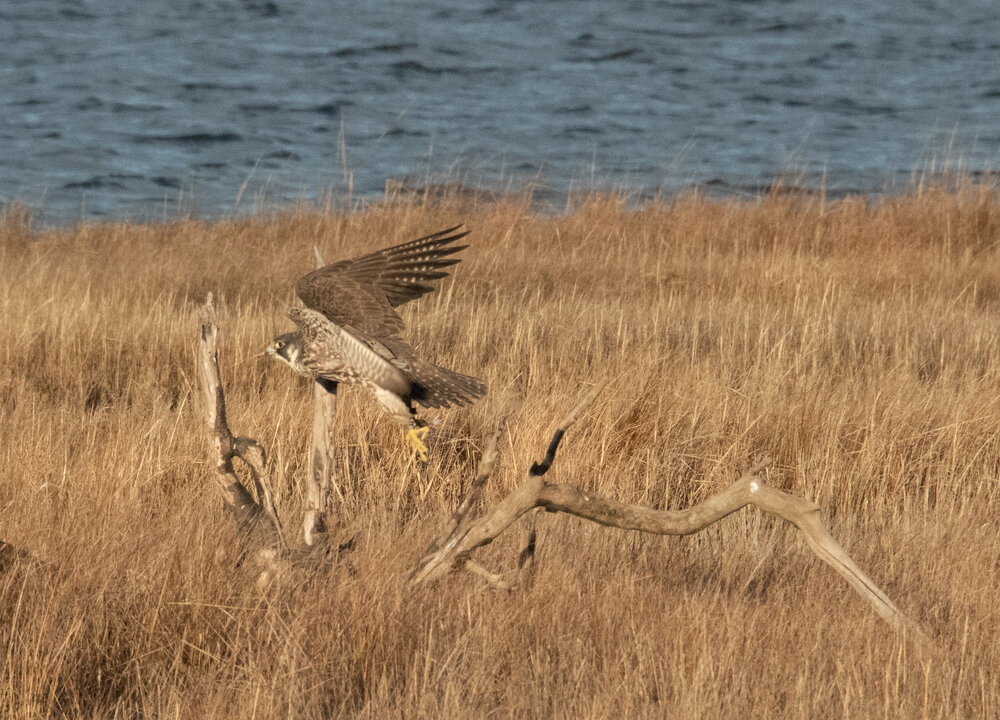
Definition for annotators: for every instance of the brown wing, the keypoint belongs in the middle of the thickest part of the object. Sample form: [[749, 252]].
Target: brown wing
[[363, 291]]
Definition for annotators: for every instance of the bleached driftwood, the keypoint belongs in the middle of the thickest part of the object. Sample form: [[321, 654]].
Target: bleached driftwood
[[529, 530], [461, 536], [319, 477], [255, 513], [256, 518], [319, 480]]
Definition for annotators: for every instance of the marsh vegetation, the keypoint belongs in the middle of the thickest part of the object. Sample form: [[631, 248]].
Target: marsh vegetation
[[855, 342]]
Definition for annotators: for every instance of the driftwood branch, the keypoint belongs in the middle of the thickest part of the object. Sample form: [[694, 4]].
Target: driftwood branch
[[540, 468], [319, 480], [255, 513], [458, 526], [453, 530], [255, 517], [529, 527], [455, 550], [458, 518]]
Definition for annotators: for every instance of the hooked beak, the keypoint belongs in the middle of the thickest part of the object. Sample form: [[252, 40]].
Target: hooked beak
[[269, 350]]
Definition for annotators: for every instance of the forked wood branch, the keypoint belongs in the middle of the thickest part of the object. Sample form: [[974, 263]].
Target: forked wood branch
[[455, 550], [458, 518], [458, 526], [255, 517]]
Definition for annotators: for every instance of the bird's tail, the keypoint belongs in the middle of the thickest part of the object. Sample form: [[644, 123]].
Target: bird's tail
[[438, 387]]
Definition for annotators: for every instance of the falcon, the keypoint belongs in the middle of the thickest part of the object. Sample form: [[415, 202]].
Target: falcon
[[349, 332]]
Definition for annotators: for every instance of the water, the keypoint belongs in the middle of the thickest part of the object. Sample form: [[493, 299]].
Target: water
[[142, 110]]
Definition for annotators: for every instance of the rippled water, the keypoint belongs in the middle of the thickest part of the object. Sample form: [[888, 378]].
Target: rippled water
[[136, 109]]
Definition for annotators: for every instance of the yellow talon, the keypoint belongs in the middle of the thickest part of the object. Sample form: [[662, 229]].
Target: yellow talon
[[415, 439]]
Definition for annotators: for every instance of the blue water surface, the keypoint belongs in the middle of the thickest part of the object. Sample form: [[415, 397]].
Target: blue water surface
[[143, 110]]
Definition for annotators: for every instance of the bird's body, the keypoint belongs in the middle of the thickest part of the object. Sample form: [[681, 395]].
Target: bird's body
[[348, 331]]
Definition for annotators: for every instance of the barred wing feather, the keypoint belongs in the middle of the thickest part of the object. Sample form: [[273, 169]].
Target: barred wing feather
[[363, 291]]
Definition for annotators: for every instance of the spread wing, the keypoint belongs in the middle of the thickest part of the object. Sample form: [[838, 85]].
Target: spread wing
[[363, 291], [366, 357]]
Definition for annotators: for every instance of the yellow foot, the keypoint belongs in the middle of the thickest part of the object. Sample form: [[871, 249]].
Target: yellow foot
[[415, 439]]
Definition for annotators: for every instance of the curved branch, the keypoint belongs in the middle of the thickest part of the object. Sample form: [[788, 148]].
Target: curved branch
[[749, 489], [529, 531], [540, 468]]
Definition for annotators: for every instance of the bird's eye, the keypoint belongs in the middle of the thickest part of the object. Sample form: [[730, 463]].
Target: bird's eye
[[279, 344]]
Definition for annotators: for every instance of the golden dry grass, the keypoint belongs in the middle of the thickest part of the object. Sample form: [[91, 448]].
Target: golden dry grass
[[854, 341]]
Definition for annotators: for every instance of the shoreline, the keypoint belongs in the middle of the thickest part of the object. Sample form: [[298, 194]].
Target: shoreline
[[545, 198]]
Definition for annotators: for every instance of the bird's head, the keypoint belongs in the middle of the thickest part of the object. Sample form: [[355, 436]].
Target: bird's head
[[288, 349]]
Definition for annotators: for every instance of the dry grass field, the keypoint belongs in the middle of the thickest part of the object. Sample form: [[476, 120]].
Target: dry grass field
[[856, 342]]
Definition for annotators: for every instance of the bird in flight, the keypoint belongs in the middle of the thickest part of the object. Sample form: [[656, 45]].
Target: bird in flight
[[348, 331]]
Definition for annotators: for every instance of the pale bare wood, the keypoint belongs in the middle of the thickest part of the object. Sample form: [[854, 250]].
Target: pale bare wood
[[529, 526], [749, 489], [453, 529], [319, 480], [458, 525], [493, 579], [248, 512], [486, 462], [255, 457]]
